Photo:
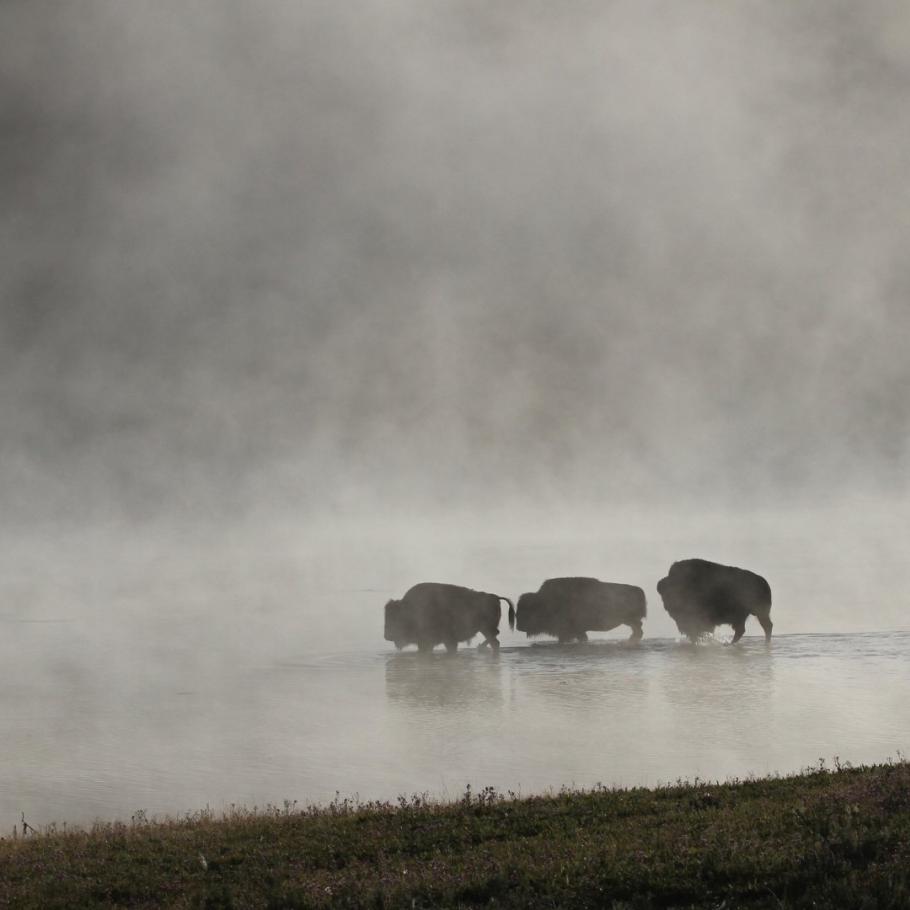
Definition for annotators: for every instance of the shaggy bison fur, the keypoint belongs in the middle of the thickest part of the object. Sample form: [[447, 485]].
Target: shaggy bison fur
[[431, 614], [569, 608], [702, 595]]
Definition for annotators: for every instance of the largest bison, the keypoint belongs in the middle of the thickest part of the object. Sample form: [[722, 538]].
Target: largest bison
[[431, 614], [569, 608], [701, 595]]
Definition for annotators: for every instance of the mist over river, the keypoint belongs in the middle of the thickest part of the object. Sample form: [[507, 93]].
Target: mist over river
[[304, 303], [167, 674]]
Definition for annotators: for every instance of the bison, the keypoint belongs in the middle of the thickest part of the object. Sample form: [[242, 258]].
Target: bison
[[568, 608], [701, 595], [430, 614]]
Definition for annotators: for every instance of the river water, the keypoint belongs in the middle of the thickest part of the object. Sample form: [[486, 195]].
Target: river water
[[141, 686]]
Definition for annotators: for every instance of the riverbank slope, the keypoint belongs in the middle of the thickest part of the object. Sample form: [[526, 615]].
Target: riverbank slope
[[821, 838]]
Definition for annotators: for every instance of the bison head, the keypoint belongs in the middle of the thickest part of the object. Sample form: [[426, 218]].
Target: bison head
[[396, 624], [685, 610], [532, 615]]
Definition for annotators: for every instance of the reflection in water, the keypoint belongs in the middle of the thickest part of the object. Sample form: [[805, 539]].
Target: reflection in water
[[729, 679], [586, 684], [461, 681], [242, 671], [719, 703], [84, 741]]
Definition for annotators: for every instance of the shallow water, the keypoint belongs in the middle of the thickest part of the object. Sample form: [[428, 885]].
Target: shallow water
[[377, 723], [147, 682]]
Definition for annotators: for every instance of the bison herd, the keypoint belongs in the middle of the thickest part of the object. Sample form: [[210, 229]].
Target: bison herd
[[699, 596]]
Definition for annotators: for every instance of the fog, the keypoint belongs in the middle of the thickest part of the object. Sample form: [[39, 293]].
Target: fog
[[301, 303], [412, 256]]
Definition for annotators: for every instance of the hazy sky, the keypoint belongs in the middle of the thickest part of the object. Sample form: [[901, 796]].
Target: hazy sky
[[364, 254]]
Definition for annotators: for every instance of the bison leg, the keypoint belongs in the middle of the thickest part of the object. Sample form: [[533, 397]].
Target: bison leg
[[582, 636], [637, 631], [489, 641], [424, 646], [739, 629], [451, 646], [766, 624]]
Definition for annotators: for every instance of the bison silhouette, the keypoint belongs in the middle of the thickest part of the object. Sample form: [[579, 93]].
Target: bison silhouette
[[702, 595], [569, 608], [430, 614]]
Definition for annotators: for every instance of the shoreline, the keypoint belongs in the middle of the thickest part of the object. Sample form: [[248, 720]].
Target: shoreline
[[835, 837]]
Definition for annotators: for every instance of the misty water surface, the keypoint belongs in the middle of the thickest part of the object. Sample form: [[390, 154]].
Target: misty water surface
[[623, 283], [170, 678]]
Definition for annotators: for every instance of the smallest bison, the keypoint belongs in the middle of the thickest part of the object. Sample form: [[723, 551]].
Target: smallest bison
[[701, 595], [569, 608], [431, 614]]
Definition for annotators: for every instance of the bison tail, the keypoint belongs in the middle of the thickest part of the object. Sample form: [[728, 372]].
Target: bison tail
[[511, 612]]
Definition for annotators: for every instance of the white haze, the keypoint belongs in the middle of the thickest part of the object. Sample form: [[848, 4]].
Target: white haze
[[320, 256], [301, 303]]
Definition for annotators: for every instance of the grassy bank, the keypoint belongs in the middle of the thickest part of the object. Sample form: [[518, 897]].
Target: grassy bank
[[820, 839]]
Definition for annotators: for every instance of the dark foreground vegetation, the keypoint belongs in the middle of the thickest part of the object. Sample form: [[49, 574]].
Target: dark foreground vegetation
[[819, 839]]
